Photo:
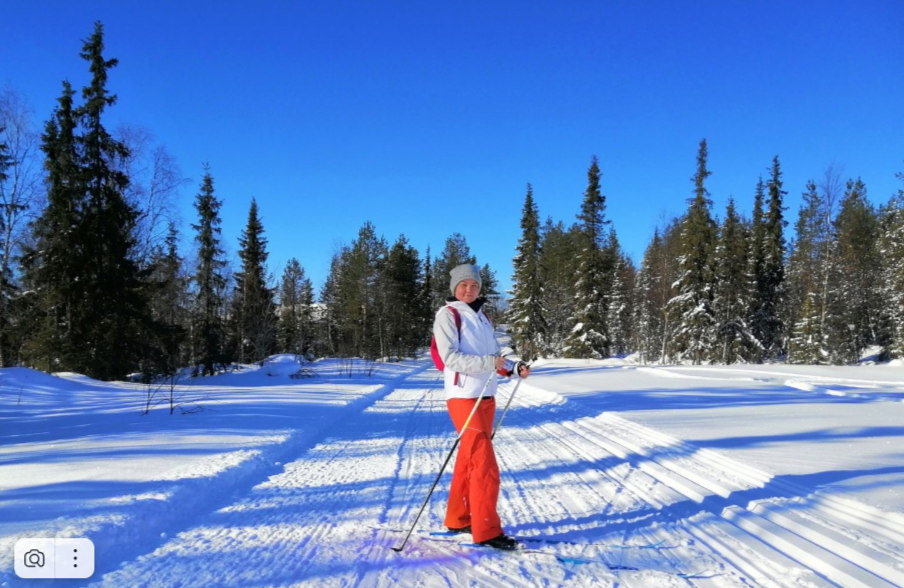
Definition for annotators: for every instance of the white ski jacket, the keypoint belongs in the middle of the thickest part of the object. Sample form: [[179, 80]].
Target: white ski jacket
[[472, 356]]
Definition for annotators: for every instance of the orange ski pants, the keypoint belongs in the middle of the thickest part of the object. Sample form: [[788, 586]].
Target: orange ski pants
[[475, 480]]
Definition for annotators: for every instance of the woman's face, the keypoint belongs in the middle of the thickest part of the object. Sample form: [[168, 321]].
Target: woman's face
[[467, 291]]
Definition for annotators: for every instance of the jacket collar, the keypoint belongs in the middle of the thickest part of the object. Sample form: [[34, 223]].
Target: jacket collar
[[475, 306]]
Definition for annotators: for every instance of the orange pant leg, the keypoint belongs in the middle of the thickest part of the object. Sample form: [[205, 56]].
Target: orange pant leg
[[475, 481]]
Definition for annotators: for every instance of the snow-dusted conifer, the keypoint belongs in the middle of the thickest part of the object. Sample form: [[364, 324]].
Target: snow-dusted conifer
[[855, 307], [647, 310], [734, 341], [528, 322], [620, 302], [558, 266], [804, 302], [691, 309], [208, 330], [772, 282], [756, 262], [891, 248], [589, 336]]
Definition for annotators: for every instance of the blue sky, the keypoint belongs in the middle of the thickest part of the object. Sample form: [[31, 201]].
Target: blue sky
[[428, 118]]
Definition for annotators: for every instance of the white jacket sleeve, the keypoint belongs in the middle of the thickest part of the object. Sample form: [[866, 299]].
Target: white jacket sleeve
[[447, 344]]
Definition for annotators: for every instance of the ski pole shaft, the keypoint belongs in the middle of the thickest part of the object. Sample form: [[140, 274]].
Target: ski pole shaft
[[505, 410], [443, 468]]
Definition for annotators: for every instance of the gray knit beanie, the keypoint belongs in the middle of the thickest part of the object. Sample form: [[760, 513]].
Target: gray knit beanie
[[465, 271]]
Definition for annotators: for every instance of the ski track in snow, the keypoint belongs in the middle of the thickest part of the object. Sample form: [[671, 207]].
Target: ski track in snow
[[620, 495]]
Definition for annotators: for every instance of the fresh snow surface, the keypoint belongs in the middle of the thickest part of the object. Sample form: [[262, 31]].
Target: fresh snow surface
[[636, 476]]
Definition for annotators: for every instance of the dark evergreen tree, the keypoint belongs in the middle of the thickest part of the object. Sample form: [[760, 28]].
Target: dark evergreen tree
[[694, 333], [772, 285], [757, 256], [359, 302], [169, 303], [403, 300], [254, 316], [427, 310], [891, 244], [528, 320], [118, 326], [54, 263], [804, 301], [734, 341], [489, 289], [291, 331], [620, 296], [648, 309], [589, 335], [558, 267], [208, 341], [855, 317], [331, 315]]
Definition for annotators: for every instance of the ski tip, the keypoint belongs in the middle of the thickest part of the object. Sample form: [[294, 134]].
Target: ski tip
[[397, 549]]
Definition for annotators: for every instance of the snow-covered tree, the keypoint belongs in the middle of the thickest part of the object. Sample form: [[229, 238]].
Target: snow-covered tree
[[528, 321], [691, 309], [734, 341], [891, 248], [558, 266], [589, 336]]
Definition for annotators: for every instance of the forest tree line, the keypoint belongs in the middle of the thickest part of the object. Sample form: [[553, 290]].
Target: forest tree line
[[92, 279], [718, 291]]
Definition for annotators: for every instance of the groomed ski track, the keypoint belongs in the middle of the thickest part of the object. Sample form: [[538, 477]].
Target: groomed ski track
[[611, 488]]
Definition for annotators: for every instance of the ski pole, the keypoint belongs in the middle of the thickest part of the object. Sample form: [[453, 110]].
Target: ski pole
[[445, 463], [505, 410]]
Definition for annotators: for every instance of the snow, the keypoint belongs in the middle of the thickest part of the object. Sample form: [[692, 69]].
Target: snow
[[753, 475]]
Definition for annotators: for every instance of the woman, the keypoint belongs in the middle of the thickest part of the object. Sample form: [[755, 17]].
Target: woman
[[468, 347]]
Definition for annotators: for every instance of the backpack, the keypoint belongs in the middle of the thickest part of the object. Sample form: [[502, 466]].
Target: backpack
[[434, 352]]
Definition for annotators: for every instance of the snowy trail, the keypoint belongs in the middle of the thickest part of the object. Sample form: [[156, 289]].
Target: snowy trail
[[638, 507]]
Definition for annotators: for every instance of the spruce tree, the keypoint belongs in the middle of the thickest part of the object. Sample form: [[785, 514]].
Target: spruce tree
[[360, 304], [804, 301], [757, 255], [402, 291], [648, 309], [290, 336], [118, 323], [169, 305], [489, 289], [528, 321], [691, 309], [857, 318], [734, 341], [558, 267], [619, 298], [207, 325], [254, 312], [891, 244], [425, 296], [331, 317], [54, 263], [589, 335], [772, 285]]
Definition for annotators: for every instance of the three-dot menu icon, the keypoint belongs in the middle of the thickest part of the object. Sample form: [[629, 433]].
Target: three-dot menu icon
[[54, 558]]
